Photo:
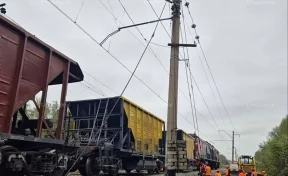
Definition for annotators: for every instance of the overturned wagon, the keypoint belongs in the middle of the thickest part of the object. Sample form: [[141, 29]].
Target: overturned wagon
[[121, 135]]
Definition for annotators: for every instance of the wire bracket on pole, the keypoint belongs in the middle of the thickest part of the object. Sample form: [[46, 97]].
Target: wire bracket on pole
[[183, 45], [124, 27]]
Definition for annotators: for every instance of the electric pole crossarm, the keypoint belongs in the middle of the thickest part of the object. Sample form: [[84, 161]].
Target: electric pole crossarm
[[124, 27], [183, 45], [139, 24]]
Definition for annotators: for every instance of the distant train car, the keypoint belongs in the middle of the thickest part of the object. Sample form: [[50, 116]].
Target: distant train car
[[190, 144], [246, 162], [133, 132], [205, 153]]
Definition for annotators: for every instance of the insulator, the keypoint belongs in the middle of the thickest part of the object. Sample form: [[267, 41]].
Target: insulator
[[197, 37], [3, 10], [187, 4], [193, 26]]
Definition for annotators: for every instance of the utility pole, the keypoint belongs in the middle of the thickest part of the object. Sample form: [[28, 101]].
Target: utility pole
[[233, 142], [233, 147], [175, 150], [171, 132]]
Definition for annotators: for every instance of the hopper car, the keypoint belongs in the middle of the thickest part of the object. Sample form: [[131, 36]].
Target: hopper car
[[93, 135], [29, 66]]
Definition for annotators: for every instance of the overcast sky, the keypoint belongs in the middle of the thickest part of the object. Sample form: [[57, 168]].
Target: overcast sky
[[245, 43]]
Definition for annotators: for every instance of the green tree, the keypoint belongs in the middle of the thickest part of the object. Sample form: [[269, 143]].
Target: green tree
[[223, 160], [272, 155]]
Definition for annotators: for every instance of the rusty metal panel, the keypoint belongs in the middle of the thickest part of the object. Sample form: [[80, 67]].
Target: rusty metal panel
[[22, 69]]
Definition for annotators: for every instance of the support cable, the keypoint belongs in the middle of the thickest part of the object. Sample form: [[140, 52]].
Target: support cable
[[114, 57], [188, 65], [198, 38], [188, 84], [79, 11], [129, 80]]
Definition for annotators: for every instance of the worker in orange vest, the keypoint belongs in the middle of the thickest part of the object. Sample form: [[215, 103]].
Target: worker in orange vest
[[264, 173], [253, 172], [227, 172], [208, 170], [241, 173], [218, 173]]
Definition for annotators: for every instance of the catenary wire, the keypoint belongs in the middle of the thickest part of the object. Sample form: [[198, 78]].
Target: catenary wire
[[188, 65], [112, 56], [129, 80], [210, 70], [188, 84], [185, 22], [79, 11]]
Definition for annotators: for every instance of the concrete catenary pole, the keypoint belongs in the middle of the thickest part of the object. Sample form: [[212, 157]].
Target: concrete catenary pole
[[233, 147], [171, 133]]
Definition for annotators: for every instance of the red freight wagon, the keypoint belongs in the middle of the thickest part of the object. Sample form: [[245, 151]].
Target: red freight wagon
[[28, 66]]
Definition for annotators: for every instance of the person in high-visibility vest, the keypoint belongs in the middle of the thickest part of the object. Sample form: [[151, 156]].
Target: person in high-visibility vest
[[218, 173], [253, 172], [264, 173], [227, 172], [208, 170], [241, 173]]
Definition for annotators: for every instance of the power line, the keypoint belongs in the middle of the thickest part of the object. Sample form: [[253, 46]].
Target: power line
[[187, 5], [184, 21], [100, 82], [144, 37], [188, 65], [79, 10], [159, 18], [112, 56], [129, 80], [188, 84]]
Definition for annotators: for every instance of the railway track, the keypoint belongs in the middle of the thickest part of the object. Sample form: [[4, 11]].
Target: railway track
[[122, 173]]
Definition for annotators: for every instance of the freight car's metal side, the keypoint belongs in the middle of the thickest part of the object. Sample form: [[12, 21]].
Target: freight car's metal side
[[28, 66], [182, 135], [146, 128], [133, 133], [205, 152], [138, 129], [190, 147]]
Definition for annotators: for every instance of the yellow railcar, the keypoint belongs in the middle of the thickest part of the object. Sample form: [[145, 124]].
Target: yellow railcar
[[246, 163]]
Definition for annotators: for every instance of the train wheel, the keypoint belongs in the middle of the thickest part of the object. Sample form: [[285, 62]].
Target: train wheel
[[3, 170]]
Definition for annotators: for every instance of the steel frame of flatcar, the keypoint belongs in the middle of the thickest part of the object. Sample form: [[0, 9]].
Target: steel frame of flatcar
[[122, 147]]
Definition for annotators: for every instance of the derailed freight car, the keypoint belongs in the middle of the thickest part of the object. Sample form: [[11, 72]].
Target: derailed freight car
[[206, 153], [133, 133], [29, 66]]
